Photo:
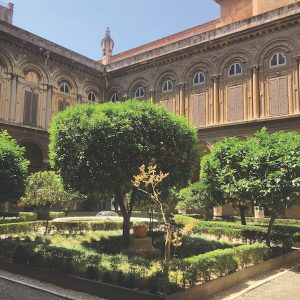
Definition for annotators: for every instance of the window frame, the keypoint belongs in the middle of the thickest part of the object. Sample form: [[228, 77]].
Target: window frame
[[115, 97], [234, 65], [137, 93], [92, 94], [277, 54], [200, 82], [168, 84], [62, 88]]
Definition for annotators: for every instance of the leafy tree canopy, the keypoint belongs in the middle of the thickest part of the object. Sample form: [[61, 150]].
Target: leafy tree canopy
[[101, 147], [45, 190], [13, 169], [97, 147], [274, 180]]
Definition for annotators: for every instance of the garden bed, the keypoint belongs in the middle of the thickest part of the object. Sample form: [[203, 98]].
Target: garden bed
[[113, 292]]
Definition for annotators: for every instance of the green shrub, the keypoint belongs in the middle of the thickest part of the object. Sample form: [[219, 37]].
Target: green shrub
[[92, 272], [28, 216], [22, 254], [281, 236], [20, 228], [196, 269], [79, 227], [251, 254]]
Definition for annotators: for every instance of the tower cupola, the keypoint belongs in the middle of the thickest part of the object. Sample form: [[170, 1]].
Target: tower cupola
[[107, 45]]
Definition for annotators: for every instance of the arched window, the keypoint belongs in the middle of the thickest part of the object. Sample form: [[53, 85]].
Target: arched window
[[199, 78], [278, 59], [140, 92], [64, 88], [92, 97], [235, 69], [115, 97], [32, 77], [167, 86]]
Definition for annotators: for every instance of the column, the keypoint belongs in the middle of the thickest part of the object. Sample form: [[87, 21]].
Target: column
[[297, 105], [151, 95], [48, 105], [13, 98], [181, 99], [255, 93], [216, 99]]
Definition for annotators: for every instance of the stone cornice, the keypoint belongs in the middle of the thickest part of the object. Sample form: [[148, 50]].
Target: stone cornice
[[237, 29], [32, 39]]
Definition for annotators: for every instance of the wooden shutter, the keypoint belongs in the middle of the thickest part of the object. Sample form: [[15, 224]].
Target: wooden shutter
[[235, 99], [60, 105], [283, 96], [34, 109], [168, 105], [198, 110], [27, 107], [239, 103], [279, 100], [274, 103], [231, 104]]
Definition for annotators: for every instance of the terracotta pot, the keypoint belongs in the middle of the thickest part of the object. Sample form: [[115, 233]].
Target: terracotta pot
[[140, 231]]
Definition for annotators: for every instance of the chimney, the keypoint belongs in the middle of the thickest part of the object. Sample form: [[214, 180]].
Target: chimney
[[6, 12], [107, 45]]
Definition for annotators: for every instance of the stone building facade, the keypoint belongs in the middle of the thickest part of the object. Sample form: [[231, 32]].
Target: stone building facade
[[230, 76]]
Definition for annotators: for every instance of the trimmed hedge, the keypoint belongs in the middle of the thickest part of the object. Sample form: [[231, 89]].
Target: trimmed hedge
[[201, 268], [29, 216], [134, 272], [20, 227], [79, 227], [281, 236]]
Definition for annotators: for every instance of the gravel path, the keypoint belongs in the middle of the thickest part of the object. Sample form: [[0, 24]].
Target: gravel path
[[12, 288], [278, 284]]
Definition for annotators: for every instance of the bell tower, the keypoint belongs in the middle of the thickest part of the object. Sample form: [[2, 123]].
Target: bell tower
[[107, 45]]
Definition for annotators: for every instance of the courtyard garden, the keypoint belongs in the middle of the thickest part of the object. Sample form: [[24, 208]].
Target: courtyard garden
[[143, 157]]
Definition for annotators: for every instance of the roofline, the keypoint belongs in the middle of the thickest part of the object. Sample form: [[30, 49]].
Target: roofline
[[45, 44]]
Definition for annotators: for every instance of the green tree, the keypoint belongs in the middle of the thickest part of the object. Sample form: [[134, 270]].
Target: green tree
[[274, 180], [197, 196], [224, 172], [13, 169], [45, 190], [100, 147]]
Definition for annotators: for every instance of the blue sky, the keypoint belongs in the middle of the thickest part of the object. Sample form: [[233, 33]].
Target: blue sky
[[80, 25]]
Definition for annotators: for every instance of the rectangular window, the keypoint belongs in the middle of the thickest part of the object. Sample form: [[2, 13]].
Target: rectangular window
[[279, 99], [235, 105], [30, 108], [198, 110], [62, 105]]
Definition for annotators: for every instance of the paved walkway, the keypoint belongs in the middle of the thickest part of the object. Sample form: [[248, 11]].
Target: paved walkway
[[275, 285], [18, 287], [15, 291]]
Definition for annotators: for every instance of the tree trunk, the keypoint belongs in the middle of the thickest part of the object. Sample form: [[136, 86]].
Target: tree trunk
[[126, 216], [47, 223], [168, 244], [270, 227], [243, 214], [207, 213], [116, 205]]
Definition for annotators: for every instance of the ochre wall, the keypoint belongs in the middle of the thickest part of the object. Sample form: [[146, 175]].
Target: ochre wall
[[262, 6], [236, 10], [229, 9]]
